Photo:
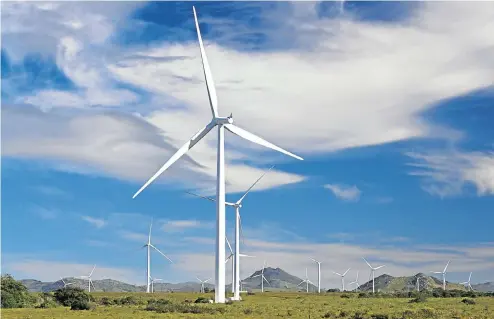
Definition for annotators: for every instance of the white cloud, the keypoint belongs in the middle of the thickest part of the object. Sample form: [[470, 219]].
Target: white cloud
[[45, 213], [446, 173], [96, 222], [349, 193], [182, 225], [348, 84]]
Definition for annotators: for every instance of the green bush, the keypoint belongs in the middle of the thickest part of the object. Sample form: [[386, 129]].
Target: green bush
[[105, 301], [468, 301], [129, 300], [419, 298], [82, 305], [14, 293], [202, 300], [69, 295]]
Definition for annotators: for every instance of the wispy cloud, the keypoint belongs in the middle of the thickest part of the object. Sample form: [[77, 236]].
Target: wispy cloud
[[96, 222], [51, 191], [45, 213], [344, 192], [182, 225], [446, 173]]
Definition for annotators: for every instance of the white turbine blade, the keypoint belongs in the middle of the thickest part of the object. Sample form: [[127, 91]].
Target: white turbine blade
[[266, 280], [62, 280], [263, 266], [198, 279], [437, 272], [229, 246], [346, 272], [229, 257], [314, 260], [162, 253], [150, 227], [366, 262], [204, 197], [464, 283], [469, 277], [70, 283], [337, 273], [252, 186], [207, 280], [92, 271], [181, 151], [213, 99], [301, 283], [91, 283], [256, 139], [379, 267], [244, 255], [446, 266]]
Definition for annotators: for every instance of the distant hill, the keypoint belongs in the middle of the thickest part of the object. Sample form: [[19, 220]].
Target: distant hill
[[278, 279]]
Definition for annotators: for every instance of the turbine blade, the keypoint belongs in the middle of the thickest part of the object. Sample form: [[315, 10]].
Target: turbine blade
[[256, 139], [244, 255], [213, 99], [379, 267], [181, 151], [92, 271], [446, 266], [252, 186], [469, 277], [366, 262], [207, 280], [336, 273], [198, 279], [346, 272], [229, 246], [150, 227], [204, 197], [301, 283], [162, 253]]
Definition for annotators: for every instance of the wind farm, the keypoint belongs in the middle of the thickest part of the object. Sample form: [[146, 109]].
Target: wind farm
[[107, 156]]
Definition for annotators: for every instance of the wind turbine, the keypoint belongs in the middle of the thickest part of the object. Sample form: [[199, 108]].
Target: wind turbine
[[357, 286], [306, 281], [89, 281], [373, 270], [418, 283], [222, 123], [236, 255], [65, 284], [318, 275], [148, 245], [467, 283], [262, 277], [342, 278], [443, 273], [152, 283], [202, 283]]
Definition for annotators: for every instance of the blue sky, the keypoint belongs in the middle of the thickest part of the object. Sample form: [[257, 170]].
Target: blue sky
[[389, 104]]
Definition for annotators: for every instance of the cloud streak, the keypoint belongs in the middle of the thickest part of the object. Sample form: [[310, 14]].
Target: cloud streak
[[348, 193]]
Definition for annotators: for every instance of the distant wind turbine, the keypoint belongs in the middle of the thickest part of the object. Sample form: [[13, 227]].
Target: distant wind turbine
[[357, 286], [373, 271], [148, 245], [262, 277], [89, 281], [152, 283], [443, 273], [318, 275], [222, 123], [342, 278], [202, 283], [306, 281], [65, 284], [467, 283], [238, 226]]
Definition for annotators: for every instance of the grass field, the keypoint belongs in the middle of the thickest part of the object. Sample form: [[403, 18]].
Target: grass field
[[273, 305]]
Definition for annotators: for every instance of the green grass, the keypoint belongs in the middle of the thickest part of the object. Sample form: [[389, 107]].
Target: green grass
[[273, 305]]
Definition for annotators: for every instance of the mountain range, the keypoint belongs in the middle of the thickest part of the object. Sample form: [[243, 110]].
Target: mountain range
[[279, 280]]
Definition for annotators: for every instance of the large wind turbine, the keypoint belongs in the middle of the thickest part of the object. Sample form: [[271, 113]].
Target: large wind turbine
[[236, 255], [357, 286], [262, 277], [65, 284], [148, 245], [318, 275], [222, 123], [443, 273], [467, 283], [89, 281], [342, 278], [306, 281], [373, 270]]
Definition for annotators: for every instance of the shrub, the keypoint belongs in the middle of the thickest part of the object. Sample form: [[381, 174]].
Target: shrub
[[129, 300], [250, 293], [202, 300], [419, 298], [248, 311], [69, 295], [105, 301], [345, 296], [14, 293], [80, 305], [468, 301]]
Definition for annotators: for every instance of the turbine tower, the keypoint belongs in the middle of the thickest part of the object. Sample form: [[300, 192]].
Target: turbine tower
[[89, 281], [467, 283], [238, 226], [357, 286], [443, 273], [418, 283], [202, 283], [148, 245], [306, 281], [222, 123], [373, 271], [318, 275], [262, 277], [342, 278]]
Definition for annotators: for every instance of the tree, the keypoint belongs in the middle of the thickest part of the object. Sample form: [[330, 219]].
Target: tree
[[70, 295], [14, 293]]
